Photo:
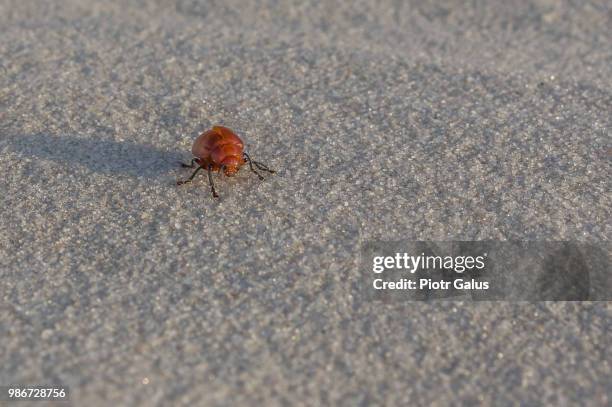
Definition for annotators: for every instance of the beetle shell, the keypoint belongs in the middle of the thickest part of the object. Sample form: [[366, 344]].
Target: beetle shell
[[219, 147]]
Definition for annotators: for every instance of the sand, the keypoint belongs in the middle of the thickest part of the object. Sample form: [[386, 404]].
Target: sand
[[385, 121]]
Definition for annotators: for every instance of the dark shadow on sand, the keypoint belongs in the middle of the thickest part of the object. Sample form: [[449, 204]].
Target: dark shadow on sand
[[100, 155]]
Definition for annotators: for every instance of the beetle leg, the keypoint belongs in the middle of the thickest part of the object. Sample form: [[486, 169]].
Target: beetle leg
[[210, 180], [248, 160], [190, 178], [263, 167], [192, 165]]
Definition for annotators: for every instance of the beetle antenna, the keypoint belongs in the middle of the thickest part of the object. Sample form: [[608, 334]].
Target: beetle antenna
[[190, 178], [210, 181], [248, 159]]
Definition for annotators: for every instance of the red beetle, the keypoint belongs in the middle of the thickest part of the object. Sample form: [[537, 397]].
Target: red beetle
[[220, 149]]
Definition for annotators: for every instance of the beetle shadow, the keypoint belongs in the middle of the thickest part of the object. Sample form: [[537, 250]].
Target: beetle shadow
[[99, 155]]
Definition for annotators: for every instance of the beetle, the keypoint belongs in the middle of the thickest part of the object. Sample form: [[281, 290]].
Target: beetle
[[220, 149]]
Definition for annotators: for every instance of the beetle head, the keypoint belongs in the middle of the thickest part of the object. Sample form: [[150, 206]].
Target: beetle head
[[230, 170]]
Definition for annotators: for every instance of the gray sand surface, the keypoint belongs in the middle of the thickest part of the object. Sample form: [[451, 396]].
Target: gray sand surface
[[385, 120]]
